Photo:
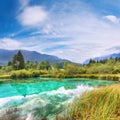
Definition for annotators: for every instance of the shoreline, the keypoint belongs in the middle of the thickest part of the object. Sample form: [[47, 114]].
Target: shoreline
[[111, 77]]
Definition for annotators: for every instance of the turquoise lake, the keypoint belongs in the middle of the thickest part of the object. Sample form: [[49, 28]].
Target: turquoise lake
[[42, 97]]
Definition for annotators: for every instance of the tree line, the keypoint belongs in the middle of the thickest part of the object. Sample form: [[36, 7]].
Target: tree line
[[107, 66]]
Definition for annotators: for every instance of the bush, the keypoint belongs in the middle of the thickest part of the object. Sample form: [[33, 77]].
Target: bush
[[25, 74], [35, 73]]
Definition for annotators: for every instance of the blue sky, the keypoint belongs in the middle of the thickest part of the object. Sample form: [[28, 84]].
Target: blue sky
[[71, 29]]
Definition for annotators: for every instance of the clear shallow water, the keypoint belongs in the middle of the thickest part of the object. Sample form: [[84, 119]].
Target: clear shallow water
[[43, 97]]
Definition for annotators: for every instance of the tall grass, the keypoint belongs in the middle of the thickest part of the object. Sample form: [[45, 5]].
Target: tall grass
[[99, 104]]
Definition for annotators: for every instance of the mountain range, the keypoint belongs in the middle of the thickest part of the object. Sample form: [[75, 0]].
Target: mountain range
[[7, 55], [115, 55]]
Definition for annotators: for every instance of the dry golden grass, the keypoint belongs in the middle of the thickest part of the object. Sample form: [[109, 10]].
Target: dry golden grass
[[99, 104]]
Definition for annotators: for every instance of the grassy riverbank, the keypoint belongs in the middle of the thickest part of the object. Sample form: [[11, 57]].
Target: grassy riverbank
[[55, 74], [61, 74], [99, 104]]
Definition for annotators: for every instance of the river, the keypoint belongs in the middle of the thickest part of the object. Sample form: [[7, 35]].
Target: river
[[35, 98]]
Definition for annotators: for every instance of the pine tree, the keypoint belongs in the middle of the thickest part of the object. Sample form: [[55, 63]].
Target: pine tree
[[18, 61]]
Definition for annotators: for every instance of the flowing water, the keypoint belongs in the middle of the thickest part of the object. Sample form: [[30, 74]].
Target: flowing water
[[35, 98]]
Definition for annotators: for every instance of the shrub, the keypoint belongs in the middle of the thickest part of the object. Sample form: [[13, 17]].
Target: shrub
[[25, 74], [35, 73]]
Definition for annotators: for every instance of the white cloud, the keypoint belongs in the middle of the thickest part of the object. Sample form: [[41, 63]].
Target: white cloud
[[112, 18], [86, 38], [7, 43], [88, 34], [23, 3], [32, 16]]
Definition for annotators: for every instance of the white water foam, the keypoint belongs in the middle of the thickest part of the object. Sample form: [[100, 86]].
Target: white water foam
[[68, 92], [5, 100], [71, 92]]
